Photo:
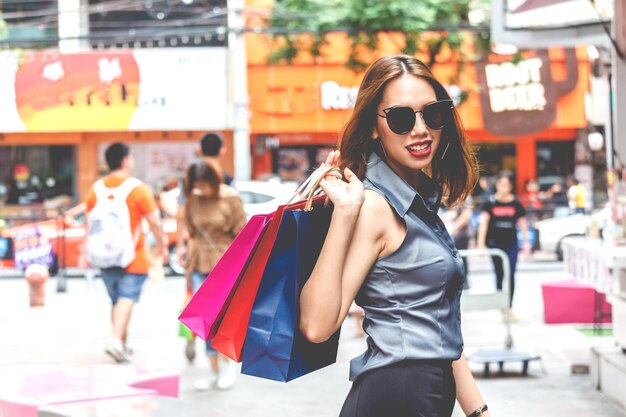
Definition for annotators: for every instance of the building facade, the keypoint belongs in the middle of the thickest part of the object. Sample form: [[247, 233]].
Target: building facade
[[524, 115]]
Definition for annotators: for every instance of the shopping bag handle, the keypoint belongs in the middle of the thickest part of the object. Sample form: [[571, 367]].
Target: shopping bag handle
[[311, 183], [316, 186]]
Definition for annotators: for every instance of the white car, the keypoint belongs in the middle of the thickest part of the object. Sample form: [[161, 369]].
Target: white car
[[552, 231], [264, 197], [258, 197]]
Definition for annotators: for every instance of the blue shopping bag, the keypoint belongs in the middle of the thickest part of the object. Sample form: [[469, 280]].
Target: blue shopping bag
[[274, 347]]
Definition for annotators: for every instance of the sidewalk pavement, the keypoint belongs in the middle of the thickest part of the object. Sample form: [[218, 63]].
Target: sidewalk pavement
[[71, 329]]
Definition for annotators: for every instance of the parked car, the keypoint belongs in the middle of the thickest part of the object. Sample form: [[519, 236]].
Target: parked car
[[263, 197], [552, 231], [66, 233]]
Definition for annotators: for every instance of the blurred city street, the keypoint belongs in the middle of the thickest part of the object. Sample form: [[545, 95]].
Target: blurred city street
[[71, 329], [139, 137]]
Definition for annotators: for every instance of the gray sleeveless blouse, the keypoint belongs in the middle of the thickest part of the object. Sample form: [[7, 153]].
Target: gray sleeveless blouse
[[411, 297]]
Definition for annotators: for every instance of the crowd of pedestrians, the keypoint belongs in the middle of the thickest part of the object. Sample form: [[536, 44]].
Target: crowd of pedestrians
[[125, 240]]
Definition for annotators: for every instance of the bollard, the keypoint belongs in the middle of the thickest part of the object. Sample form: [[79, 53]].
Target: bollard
[[37, 275]]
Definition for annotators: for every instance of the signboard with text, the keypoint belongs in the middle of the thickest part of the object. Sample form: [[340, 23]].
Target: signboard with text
[[142, 89], [520, 97], [31, 247]]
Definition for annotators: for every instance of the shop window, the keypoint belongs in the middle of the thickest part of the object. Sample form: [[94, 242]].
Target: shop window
[[36, 174], [158, 24], [495, 157], [555, 161], [29, 24], [295, 163]]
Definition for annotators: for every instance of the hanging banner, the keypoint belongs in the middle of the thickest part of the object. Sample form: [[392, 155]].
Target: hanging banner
[[142, 89]]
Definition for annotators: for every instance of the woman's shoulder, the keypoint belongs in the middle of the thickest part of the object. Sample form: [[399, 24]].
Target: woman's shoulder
[[226, 191], [376, 206]]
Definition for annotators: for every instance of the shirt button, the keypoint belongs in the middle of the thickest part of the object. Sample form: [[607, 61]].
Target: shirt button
[[457, 255]]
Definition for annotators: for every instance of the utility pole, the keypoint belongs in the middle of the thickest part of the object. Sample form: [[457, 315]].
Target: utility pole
[[239, 89], [73, 26]]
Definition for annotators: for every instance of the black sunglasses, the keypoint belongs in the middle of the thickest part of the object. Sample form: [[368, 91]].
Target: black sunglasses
[[401, 119]]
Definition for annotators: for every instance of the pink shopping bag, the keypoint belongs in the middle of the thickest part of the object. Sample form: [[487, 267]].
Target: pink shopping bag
[[208, 305]]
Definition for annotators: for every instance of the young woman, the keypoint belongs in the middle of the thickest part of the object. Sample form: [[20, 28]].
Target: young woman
[[402, 150], [500, 217], [213, 216]]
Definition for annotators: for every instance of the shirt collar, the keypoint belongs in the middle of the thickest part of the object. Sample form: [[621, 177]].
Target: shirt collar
[[398, 192]]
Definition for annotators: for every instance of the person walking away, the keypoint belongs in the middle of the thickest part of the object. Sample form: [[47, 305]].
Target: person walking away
[[214, 215], [483, 191], [557, 200], [210, 149], [116, 205], [577, 196], [500, 217], [402, 149], [459, 226]]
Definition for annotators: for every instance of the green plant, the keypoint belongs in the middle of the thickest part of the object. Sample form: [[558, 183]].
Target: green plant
[[426, 26]]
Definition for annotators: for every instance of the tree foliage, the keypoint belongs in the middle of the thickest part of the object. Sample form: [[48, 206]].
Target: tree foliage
[[426, 25]]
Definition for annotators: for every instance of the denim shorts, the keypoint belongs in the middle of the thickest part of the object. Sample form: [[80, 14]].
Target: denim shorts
[[197, 278], [122, 284]]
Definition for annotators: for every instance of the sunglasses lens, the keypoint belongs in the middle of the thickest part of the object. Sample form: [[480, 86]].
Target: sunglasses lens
[[401, 120], [437, 114]]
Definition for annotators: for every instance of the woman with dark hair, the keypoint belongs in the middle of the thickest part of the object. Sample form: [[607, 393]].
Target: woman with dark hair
[[213, 216], [500, 217], [402, 151]]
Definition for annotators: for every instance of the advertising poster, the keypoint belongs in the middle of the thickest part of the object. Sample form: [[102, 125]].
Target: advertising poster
[[31, 247], [119, 90]]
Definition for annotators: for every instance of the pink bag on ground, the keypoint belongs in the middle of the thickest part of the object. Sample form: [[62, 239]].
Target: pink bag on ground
[[208, 305]]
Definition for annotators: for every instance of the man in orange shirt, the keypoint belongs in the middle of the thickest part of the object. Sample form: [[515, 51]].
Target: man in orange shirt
[[124, 282]]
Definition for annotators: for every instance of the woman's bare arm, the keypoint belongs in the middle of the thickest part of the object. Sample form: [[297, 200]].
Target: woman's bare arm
[[481, 239], [467, 393], [353, 243]]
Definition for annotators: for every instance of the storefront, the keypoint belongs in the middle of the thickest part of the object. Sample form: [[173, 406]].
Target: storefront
[[61, 111], [31, 174], [525, 117]]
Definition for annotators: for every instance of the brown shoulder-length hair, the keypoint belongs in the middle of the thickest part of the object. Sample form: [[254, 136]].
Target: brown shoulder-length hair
[[456, 173], [202, 171]]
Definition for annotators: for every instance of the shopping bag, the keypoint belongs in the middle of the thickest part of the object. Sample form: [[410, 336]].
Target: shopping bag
[[207, 306], [274, 347], [231, 332]]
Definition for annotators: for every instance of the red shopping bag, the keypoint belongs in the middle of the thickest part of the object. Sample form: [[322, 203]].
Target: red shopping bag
[[207, 306], [231, 333]]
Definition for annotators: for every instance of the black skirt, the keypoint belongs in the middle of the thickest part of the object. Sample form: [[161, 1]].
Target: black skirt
[[404, 389]]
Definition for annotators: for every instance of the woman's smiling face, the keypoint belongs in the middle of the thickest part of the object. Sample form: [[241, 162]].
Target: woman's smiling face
[[412, 152]]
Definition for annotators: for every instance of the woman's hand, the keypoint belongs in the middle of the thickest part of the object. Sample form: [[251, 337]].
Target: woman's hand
[[332, 159], [346, 196]]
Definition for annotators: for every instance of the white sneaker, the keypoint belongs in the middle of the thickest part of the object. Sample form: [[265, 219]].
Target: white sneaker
[[206, 383], [129, 351], [228, 374], [115, 349]]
